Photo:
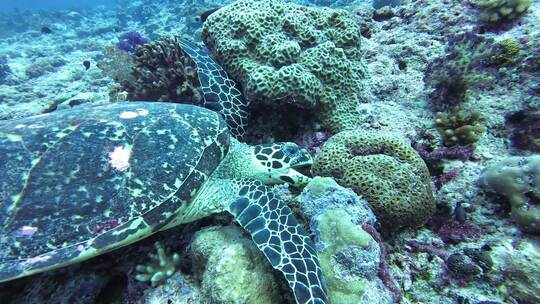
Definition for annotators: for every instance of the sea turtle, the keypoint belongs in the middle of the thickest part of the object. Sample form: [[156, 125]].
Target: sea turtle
[[80, 182]]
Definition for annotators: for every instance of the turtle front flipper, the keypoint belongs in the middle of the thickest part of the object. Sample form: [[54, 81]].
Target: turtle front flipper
[[220, 91], [281, 238]]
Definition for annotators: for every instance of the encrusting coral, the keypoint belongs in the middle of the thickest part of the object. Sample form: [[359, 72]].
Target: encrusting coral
[[518, 179], [281, 51], [231, 269], [161, 266], [384, 170]]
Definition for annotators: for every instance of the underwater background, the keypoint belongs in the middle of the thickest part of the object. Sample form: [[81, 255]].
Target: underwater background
[[424, 114]]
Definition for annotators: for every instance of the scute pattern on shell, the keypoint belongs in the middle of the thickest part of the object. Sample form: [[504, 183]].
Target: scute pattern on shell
[[60, 188]]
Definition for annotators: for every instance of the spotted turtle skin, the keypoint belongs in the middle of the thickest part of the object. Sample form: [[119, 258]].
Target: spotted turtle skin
[[220, 92]]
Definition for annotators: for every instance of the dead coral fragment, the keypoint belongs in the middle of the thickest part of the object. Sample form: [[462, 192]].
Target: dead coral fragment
[[459, 127], [162, 265]]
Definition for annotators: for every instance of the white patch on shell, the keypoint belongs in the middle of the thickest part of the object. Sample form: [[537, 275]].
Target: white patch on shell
[[128, 114], [119, 158], [27, 230], [20, 126], [37, 259], [142, 112]]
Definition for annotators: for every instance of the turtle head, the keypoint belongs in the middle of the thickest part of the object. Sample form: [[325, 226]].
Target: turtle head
[[280, 163]]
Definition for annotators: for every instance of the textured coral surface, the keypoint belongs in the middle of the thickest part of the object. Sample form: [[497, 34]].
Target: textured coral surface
[[387, 172], [281, 51]]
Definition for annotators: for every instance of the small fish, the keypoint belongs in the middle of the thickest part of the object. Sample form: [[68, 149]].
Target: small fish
[[86, 64], [46, 30], [205, 15], [459, 213]]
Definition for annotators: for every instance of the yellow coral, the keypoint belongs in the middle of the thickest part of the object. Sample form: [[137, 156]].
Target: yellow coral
[[384, 170]]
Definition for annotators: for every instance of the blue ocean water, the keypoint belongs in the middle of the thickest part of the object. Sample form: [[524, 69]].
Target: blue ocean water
[[35, 5]]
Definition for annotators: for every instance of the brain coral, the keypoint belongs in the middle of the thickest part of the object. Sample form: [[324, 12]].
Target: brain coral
[[309, 56], [386, 171]]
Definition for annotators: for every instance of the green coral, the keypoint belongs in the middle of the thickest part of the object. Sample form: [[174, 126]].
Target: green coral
[[276, 50], [518, 179], [506, 52], [496, 11], [162, 265], [386, 171], [338, 232], [459, 127]]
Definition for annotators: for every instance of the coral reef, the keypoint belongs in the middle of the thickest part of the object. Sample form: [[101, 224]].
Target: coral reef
[[162, 265], [231, 268], [518, 264], [472, 263], [279, 51], [345, 253], [323, 193], [381, 3], [518, 179], [176, 289], [524, 126], [116, 64], [505, 52], [384, 170], [349, 256], [453, 232], [459, 127], [473, 61], [42, 66], [498, 11], [4, 68], [162, 72]]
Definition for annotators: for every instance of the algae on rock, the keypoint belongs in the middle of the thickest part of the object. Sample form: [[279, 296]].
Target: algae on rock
[[341, 237], [231, 268]]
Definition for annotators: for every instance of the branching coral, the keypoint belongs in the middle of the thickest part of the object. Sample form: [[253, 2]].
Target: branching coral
[[459, 127], [161, 266]]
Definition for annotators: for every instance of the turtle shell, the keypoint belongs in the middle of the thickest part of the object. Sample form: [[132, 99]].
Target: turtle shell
[[80, 182]]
